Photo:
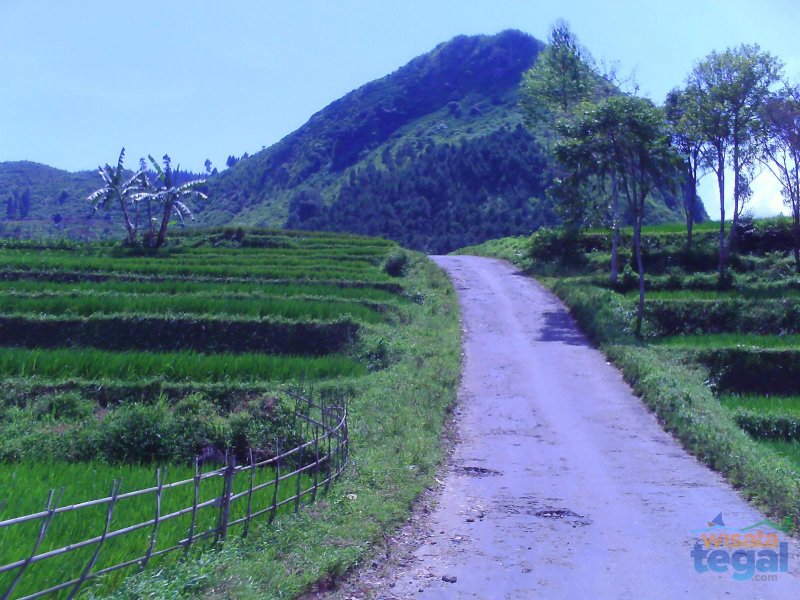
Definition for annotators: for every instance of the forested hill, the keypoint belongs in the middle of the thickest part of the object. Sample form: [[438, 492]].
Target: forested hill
[[37, 200], [434, 156]]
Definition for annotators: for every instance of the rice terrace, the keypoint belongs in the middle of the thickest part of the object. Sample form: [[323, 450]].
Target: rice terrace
[[432, 309]]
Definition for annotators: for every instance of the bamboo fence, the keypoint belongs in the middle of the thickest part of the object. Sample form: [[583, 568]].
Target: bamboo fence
[[308, 468]]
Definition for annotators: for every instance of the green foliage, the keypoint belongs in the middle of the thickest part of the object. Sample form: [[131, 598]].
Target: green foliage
[[562, 77], [396, 264]]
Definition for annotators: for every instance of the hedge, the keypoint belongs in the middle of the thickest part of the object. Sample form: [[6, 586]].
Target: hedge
[[166, 334], [767, 316]]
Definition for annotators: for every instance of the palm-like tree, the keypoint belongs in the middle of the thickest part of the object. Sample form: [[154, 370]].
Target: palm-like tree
[[118, 188], [172, 196]]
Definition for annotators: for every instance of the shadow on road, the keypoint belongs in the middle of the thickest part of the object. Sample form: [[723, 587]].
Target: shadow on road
[[559, 327]]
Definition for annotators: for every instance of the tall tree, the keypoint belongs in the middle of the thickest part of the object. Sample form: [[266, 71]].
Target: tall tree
[[781, 149], [729, 90], [629, 137], [687, 139], [562, 78]]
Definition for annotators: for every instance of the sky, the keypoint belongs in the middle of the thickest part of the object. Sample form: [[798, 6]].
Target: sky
[[197, 79]]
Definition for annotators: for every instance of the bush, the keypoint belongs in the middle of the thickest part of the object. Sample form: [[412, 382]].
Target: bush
[[138, 433], [197, 425], [563, 246], [396, 263], [63, 406]]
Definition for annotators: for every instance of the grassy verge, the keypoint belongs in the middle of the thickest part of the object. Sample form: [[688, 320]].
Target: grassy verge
[[677, 391], [397, 416]]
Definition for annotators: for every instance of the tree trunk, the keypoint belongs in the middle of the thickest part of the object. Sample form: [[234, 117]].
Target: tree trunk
[[637, 248], [128, 225], [689, 227], [150, 227], [614, 229], [796, 227], [721, 184], [736, 195], [162, 232]]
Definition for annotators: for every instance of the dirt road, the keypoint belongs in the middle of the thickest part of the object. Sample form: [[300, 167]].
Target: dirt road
[[563, 485]]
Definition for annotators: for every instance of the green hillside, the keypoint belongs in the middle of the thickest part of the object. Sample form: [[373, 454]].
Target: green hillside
[[434, 156], [37, 200]]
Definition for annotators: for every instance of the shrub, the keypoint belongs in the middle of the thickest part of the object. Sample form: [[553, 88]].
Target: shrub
[[396, 263], [62, 406], [196, 425], [564, 246], [138, 433]]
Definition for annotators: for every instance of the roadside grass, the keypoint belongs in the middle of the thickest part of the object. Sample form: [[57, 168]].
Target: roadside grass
[[396, 420], [674, 375], [789, 450]]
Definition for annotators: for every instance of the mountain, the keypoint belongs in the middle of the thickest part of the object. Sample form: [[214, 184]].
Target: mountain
[[434, 155]]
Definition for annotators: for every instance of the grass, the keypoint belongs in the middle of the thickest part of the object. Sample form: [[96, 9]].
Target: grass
[[87, 304], [789, 450], [400, 375], [87, 363], [204, 289], [396, 422], [729, 340], [87, 481], [309, 269], [763, 404]]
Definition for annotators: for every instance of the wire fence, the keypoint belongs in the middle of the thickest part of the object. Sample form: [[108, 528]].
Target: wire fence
[[214, 502]]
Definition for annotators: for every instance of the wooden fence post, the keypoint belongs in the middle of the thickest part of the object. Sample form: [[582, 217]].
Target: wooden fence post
[[190, 538], [115, 487], [153, 536], [250, 494], [316, 464], [225, 500], [277, 482], [51, 511]]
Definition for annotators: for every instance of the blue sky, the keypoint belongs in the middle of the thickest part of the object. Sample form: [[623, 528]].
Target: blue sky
[[200, 79]]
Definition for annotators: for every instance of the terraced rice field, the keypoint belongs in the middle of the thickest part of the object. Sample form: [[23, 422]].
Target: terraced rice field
[[114, 364]]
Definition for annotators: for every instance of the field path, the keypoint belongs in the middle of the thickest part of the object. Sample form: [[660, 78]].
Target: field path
[[562, 484]]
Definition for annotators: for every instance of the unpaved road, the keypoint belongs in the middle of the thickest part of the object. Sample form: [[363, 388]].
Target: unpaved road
[[563, 485]]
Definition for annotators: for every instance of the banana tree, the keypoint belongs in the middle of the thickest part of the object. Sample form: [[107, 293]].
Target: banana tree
[[118, 188], [173, 197]]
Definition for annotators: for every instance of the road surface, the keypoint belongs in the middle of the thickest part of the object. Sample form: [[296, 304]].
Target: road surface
[[563, 485]]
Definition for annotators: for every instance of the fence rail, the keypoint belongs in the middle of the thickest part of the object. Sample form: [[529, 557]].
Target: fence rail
[[312, 464]]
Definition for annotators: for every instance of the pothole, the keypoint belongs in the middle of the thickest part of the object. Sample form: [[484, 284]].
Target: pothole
[[558, 514], [479, 471]]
